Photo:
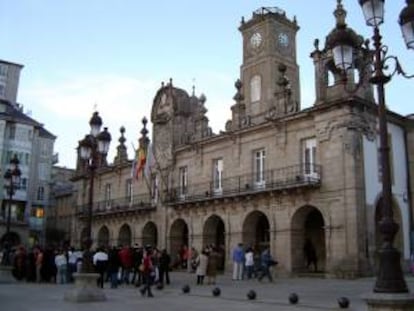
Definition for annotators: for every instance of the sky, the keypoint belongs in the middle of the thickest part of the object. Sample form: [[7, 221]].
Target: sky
[[113, 55]]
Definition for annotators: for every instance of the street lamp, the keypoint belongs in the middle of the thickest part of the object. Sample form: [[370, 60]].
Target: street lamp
[[93, 149], [390, 278], [11, 184]]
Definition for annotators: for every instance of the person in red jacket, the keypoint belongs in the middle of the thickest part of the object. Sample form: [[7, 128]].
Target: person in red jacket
[[125, 256]]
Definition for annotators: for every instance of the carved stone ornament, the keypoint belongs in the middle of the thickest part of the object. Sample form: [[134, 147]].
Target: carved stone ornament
[[163, 145], [164, 109]]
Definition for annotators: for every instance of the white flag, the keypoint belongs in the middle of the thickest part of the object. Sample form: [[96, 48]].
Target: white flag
[[150, 161]]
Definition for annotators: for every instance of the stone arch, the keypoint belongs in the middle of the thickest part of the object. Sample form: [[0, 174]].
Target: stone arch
[[103, 237], [214, 233], [125, 235], [307, 223], [178, 241], [150, 234], [256, 230], [398, 240]]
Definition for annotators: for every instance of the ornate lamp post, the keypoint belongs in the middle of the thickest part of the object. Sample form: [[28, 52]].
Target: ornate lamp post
[[390, 278], [93, 150], [11, 184]]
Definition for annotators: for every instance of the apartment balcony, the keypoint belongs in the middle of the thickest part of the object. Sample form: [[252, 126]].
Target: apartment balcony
[[282, 179], [120, 206]]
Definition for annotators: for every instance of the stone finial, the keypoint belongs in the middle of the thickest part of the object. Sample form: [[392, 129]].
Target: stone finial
[[238, 96], [121, 155], [144, 140], [340, 14]]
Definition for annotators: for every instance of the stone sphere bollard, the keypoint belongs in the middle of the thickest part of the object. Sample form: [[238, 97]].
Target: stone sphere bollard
[[343, 302], [251, 295], [293, 298], [216, 291]]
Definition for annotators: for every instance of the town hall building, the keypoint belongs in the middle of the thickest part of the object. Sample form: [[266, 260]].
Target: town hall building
[[278, 175]]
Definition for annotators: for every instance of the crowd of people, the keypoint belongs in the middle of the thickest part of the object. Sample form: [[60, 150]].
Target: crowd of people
[[116, 265], [248, 263], [143, 265]]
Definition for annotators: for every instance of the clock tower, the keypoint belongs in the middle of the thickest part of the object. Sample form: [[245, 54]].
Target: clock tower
[[269, 43]]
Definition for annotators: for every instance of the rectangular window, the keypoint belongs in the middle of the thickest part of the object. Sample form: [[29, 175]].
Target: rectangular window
[[44, 149], [128, 190], [40, 193], [3, 70], [42, 171], [154, 189], [2, 89], [12, 131], [218, 176], [9, 156], [108, 195], [23, 183], [183, 175], [309, 158], [259, 167], [255, 88]]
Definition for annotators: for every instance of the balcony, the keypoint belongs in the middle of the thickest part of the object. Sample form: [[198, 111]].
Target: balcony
[[282, 179], [120, 206]]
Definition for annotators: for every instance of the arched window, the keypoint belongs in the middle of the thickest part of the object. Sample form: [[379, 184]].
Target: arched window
[[255, 88]]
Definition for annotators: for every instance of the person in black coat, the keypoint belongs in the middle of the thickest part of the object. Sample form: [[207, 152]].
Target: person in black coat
[[137, 261], [164, 267], [114, 263]]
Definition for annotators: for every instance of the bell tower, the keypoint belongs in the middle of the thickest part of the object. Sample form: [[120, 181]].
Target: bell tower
[[269, 41]]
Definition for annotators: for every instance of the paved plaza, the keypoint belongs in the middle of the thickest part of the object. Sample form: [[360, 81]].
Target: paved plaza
[[314, 294]]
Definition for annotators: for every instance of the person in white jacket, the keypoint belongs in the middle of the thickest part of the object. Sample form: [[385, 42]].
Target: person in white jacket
[[201, 270], [61, 263]]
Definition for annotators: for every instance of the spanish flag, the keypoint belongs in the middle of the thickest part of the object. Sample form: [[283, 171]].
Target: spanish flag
[[140, 162]]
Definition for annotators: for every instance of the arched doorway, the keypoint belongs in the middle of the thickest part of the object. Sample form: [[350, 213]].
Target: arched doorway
[[178, 242], [256, 231], [83, 236], [103, 237], [150, 234], [398, 240], [307, 224], [213, 233], [125, 236]]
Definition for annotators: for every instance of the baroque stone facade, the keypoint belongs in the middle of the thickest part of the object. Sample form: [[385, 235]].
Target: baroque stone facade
[[277, 175]]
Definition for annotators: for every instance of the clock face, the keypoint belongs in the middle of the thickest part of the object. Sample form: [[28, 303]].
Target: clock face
[[283, 39], [256, 40]]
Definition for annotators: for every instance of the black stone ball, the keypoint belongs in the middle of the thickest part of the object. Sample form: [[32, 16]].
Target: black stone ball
[[186, 289], [343, 302], [251, 295], [293, 298], [216, 291], [160, 286]]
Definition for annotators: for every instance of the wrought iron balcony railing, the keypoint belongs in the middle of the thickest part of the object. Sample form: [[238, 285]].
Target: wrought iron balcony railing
[[112, 206], [295, 176]]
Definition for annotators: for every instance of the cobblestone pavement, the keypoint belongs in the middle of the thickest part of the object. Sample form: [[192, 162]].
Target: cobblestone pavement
[[314, 294]]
